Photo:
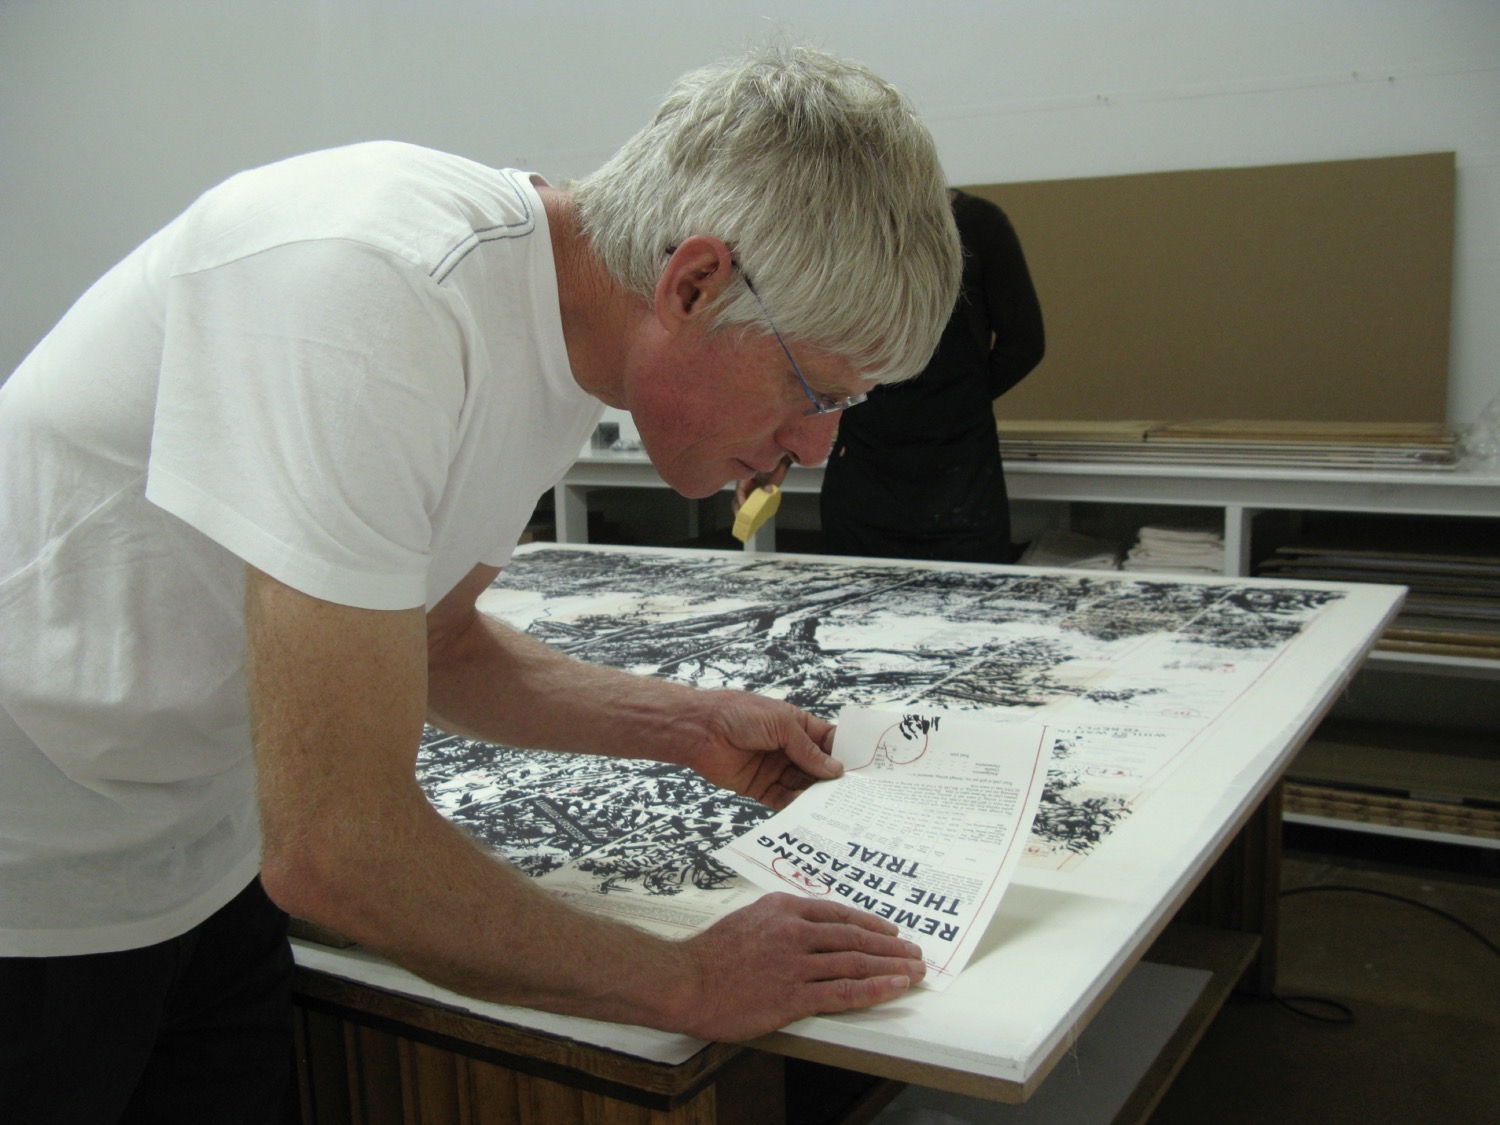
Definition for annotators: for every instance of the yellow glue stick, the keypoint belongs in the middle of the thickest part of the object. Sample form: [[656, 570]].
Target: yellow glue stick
[[758, 507]]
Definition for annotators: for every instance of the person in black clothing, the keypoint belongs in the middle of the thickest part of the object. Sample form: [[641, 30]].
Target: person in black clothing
[[915, 470]]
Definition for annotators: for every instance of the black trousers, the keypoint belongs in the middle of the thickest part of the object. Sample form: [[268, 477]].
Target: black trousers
[[193, 1030]]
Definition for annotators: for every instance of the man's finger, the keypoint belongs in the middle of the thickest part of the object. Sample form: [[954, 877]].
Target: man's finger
[[776, 475], [853, 938], [839, 929], [852, 965], [804, 753], [742, 492], [843, 995]]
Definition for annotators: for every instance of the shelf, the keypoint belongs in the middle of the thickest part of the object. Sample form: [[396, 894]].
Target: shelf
[[1418, 782], [1468, 667], [1349, 824], [1460, 492]]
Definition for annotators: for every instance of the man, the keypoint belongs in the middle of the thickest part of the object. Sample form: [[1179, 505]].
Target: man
[[254, 482]]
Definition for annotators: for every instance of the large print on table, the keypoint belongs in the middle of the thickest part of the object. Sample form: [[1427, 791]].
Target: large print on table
[[1126, 672]]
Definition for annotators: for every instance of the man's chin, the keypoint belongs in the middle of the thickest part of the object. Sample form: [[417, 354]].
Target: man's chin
[[698, 490], [696, 478], [699, 486]]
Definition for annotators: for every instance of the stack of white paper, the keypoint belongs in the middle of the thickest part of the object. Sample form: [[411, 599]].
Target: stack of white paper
[[1176, 550], [1071, 550]]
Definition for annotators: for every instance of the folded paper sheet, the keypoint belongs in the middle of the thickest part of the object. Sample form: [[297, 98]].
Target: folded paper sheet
[[925, 828]]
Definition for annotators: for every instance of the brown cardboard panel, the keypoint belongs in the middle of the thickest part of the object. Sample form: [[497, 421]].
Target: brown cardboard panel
[[1313, 292]]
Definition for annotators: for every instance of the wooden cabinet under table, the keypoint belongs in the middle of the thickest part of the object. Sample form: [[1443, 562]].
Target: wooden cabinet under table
[[1188, 878], [367, 1055]]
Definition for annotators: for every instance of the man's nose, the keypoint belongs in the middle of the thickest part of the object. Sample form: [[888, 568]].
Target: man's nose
[[809, 438]]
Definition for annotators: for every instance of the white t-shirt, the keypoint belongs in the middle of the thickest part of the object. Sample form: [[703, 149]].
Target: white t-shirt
[[346, 369]]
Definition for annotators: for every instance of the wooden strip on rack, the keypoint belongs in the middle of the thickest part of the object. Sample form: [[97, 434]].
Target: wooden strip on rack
[[1396, 812]]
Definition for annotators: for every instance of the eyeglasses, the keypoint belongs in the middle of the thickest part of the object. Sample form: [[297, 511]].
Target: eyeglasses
[[821, 404]]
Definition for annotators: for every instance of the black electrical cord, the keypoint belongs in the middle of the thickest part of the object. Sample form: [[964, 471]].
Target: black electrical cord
[[1307, 1006], [1459, 922]]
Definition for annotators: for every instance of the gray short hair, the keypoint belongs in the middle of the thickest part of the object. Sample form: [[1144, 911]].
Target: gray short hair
[[823, 182]]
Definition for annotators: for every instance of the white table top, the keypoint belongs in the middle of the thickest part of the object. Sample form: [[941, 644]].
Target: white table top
[[1062, 939]]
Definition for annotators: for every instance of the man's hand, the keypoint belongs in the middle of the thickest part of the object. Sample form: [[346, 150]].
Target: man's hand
[[743, 489], [783, 958], [756, 746]]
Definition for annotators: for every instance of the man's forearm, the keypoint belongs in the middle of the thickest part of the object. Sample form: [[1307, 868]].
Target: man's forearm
[[351, 842], [494, 683], [405, 883]]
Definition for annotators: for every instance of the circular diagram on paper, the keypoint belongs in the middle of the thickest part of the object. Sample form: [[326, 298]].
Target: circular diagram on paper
[[903, 743]]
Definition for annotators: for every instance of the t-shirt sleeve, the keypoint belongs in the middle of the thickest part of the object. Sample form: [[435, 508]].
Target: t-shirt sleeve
[[309, 402]]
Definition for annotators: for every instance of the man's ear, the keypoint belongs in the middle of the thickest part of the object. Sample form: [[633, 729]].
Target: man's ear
[[699, 270]]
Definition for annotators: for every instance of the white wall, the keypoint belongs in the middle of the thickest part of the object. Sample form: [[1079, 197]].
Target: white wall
[[115, 113]]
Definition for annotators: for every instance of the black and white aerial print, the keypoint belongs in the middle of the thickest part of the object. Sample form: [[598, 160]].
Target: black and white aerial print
[[1110, 651]]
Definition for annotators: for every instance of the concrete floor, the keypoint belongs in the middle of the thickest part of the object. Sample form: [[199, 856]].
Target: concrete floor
[[1424, 1042]]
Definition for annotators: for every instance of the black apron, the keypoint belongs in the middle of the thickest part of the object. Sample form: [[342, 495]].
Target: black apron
[[915, 472]]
